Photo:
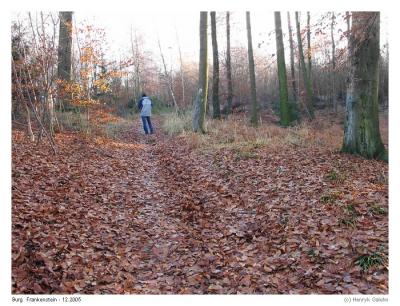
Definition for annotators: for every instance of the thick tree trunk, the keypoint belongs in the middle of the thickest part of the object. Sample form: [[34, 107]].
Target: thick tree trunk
[[199, 112], [292, 69], [306, 79], [228, 63], [215, 84], [285, 112], [362, 135], [254, 105], [64, 57]]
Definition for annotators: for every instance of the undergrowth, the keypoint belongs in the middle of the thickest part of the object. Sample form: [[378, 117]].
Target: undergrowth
[[237, 134]]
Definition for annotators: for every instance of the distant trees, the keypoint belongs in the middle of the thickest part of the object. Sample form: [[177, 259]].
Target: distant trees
[[215, 84], [167, 76], [199, 112], [182, 73], [362, 135], [255, 116], [45, 73], [136, 63], [285, 111]]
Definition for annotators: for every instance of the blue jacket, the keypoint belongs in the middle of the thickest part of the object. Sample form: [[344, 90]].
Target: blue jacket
[[145, 106]]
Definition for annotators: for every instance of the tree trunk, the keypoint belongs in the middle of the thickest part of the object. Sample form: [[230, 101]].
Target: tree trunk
[[228, 63], [306, 79], [334, 100], [64, 57], [362, 135], [285, 112], [29, 123], [309, 46], [215, 85], [199, 112], [50, 114], [292, 69], [254, 105]]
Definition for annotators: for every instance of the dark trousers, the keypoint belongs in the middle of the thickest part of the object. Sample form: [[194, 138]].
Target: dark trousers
[[147, 124]]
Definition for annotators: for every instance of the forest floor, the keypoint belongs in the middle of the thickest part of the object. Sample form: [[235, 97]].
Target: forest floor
[[152, 214]]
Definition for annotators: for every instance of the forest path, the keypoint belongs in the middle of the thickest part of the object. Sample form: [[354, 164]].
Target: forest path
[[149, 214], [197, 233], [164, 237]]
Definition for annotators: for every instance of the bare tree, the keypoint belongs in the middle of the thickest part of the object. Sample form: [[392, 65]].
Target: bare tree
[[199, 112], [285, 112], [306, 79], [228, 64], [292, 69], [255, 113], [33, 76], [215, 84], [137, 79], [309, 45], [167, 75], [181, 68], [334, 100]]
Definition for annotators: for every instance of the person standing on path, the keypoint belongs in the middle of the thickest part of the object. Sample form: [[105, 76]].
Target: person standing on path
[[145, 105]]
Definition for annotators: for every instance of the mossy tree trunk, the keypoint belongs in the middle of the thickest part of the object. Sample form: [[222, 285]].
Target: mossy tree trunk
[[228, 64], [362, 135], [255, 113], [306, 79], [292, 69], [199, 112], [285, 113], [215, 84], [64, 57]]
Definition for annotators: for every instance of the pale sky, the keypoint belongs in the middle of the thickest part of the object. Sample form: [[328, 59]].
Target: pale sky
[[149, 23], [118, 25]]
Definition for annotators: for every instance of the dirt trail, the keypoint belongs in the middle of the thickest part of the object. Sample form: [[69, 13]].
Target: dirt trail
[[146, 214], [193, 237]]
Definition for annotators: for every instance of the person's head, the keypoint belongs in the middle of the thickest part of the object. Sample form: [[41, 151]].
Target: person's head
[[144, 95]]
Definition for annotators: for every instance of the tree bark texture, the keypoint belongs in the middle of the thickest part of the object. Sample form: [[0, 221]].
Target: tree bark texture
[[64, 55], [362, 135], [199, 112]]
